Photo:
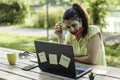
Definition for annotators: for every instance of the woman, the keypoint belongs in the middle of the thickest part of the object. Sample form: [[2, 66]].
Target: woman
[[86, 39]]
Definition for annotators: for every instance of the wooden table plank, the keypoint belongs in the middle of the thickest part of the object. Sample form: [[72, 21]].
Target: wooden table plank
[[16, 69], [114, 72], [107, 71], [9, 76], [26, 74], [101, 77], [38, 71]]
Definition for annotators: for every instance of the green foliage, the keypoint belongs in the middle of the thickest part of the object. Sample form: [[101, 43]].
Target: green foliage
[[13, 13], [42, 1], [53, 2], [26, 2], [98, 9], [39, 17], [113, 54], [55, 15], [114, 5], [98, 12]]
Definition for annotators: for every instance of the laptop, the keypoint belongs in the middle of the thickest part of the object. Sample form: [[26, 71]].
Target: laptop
[[59, 59]]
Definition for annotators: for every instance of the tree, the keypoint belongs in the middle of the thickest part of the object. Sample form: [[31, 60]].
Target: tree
[[98, 10]]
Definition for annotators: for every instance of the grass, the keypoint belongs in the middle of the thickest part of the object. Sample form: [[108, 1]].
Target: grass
[[26, 43]]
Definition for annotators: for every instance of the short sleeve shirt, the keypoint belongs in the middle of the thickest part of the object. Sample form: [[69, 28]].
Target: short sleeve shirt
[[80, 46]]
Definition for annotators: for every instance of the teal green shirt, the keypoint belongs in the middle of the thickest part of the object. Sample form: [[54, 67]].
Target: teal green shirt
[[80, 47]]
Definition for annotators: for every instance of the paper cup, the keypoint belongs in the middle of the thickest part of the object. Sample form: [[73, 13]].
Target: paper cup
[[12, 58]]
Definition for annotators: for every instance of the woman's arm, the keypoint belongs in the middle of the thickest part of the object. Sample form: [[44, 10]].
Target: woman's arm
[[59, 31], [60, 39], [92, 50]]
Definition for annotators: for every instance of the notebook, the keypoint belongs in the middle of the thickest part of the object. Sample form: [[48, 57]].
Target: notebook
[[59, 59]]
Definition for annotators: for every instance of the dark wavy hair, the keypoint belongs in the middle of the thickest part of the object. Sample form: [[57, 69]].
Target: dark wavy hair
[[77, 12]]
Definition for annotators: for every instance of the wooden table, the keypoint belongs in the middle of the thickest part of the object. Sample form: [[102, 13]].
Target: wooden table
[[14, 72]]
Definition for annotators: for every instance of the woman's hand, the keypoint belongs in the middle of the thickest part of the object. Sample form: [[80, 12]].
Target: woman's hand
[[58, 29]]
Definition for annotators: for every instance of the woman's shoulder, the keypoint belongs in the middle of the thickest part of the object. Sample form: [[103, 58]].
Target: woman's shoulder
[[93, 28]]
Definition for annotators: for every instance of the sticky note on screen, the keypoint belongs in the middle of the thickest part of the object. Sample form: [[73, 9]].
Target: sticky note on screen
[[64, 61], [42, 57], [53, 59]]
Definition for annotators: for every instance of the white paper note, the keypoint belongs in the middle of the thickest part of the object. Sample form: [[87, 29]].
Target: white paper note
[[53, 59], [64, 61], [42, 57]]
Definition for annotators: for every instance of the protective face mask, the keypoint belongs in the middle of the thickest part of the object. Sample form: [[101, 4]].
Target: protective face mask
[[78, 32]]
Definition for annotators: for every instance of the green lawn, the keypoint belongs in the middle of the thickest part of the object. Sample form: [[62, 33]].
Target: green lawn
[[26, 43], [20, 42]]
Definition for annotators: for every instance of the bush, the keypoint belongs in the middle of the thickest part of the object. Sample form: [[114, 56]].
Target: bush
[[55, 15], [40, 17], [113, 54], [14, 13], [98, 12]]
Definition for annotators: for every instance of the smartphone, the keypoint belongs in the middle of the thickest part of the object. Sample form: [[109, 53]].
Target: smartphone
[[29, 67], [33, 60]]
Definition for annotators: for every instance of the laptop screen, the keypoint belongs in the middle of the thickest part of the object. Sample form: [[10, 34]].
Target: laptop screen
[[56, 58]]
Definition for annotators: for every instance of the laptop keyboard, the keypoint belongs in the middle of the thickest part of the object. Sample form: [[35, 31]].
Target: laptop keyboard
[[78, 71]]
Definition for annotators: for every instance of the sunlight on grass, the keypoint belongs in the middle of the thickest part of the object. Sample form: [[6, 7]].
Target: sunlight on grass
[[25, 43], [9, 38]]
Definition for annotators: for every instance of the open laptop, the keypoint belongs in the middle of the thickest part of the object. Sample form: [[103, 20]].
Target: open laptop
[[58, 59]]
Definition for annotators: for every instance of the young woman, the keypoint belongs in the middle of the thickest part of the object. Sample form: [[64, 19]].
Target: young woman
[[86, 39]]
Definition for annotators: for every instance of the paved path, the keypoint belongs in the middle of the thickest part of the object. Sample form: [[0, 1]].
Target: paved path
[[27, 31]]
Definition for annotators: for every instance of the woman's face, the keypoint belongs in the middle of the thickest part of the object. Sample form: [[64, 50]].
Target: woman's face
[[73, 25]]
